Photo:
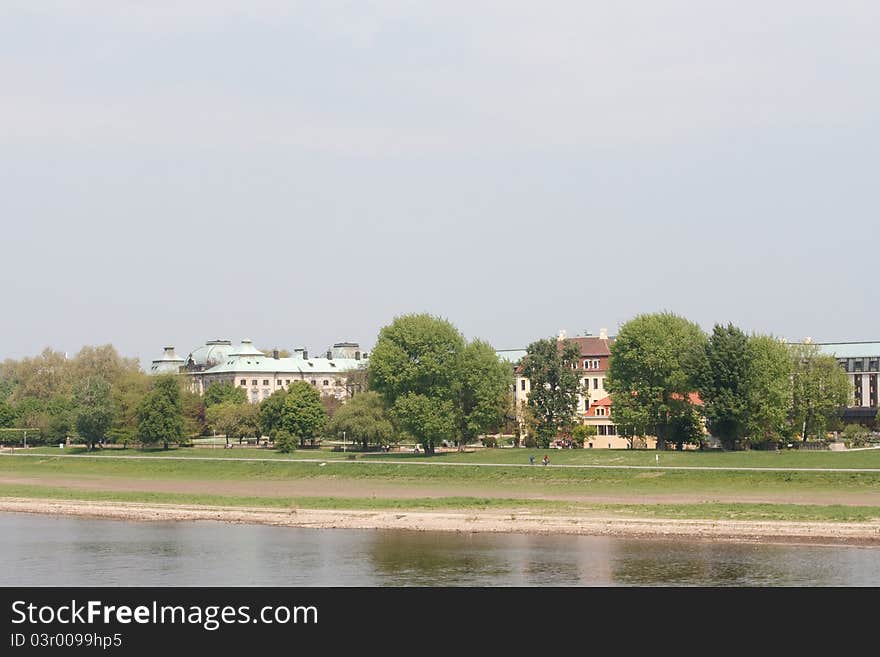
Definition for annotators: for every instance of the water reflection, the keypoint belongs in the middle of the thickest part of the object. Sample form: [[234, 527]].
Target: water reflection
[[43, 550]]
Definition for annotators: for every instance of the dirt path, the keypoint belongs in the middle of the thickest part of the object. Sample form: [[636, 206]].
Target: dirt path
[[329, 487], [867, 533]]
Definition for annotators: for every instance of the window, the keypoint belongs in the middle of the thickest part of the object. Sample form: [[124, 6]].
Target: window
[[326, 382], [244, 382], [255, 396], [265, 382], [314, 383], [522, 384], [278, 382], [586, 364], [288, 381], [595, 364], [595, 384], [254, 382]]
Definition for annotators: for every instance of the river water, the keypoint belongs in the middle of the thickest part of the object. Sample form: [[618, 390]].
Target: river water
[[38, 550]]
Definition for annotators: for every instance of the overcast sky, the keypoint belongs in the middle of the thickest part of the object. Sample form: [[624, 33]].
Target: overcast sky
[[300, 173]]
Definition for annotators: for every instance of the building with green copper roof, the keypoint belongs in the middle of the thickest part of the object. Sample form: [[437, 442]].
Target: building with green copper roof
[[260, 374]]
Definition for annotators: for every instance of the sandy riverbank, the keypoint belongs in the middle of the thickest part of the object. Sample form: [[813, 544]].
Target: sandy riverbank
[[514, 521]]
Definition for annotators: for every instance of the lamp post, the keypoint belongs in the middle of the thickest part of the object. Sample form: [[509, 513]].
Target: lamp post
[[343, 441]]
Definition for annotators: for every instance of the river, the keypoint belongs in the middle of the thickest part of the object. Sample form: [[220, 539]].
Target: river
[[38, 550]]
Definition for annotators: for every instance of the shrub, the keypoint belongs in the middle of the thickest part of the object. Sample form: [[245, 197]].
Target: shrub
[[285, 441]]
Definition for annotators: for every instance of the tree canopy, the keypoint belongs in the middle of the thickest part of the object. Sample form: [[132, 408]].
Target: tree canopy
[[653, 369], [553, 370], [303, 415], [437, 386], [364, 419], [160, 414]]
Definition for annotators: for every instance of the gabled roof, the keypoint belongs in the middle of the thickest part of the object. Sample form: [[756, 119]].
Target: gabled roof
[[593, 345]]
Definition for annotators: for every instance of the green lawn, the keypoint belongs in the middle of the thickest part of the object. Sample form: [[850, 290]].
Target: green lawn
[[705, 511], [522, 479], [751, 459]]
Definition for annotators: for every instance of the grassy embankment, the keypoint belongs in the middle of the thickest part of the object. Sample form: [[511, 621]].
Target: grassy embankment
[[533, 488]]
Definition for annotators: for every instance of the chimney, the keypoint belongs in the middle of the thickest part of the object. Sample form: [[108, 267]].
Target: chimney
[[275, 354], [305, 354], [561, 336], [169, 351], [329, 354], [603, 333]]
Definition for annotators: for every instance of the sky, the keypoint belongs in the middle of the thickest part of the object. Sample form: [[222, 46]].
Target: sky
[[300, 173]]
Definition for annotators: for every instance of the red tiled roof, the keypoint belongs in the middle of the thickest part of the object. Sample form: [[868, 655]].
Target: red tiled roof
[[592, 345], [693, 398]]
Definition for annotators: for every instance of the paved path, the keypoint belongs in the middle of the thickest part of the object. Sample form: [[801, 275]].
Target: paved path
[[322, 463]]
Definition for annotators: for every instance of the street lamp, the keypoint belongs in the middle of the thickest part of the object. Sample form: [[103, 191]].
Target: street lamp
[[343, 441]]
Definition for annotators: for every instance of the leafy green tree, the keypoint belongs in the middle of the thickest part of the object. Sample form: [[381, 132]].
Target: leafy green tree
[[224, 391], [414, 366], [93, 409], [284, 441], [581, 433], [480, 390], [363, 418], [654, 364], [126, 396], [7, 414], [60, 418], [686, 428], [271, 413], [724, 383], [303, 414], [820, 388], [160, 414], [769, 390], [552, 368], [235, 420], [100, 361]]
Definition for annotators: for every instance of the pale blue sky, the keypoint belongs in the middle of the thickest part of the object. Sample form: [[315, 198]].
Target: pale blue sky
[[300, 173]]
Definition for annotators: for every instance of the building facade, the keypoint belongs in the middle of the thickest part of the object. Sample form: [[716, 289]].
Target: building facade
[[594, 401], [260, 374], [861, 362]]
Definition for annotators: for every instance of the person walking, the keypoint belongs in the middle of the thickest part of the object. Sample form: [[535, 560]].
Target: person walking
[[531, 459]]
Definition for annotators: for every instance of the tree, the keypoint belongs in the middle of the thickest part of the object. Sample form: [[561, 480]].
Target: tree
[[820, 388], [551, 366], [94, 410], [414, 366], [102, 361], [365, 419], [235, 420], [769, 390], [358, 380], [7, 414], [271, 413], [581, 433], [125, 398], [303, 414], [480, 390], [285, 442], [160, 414], [224, 391], [723, 382], [653, 369]]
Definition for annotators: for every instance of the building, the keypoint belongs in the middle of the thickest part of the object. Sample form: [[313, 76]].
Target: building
[[169, 363], [861, 362], [260, 374], [594, 402]]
